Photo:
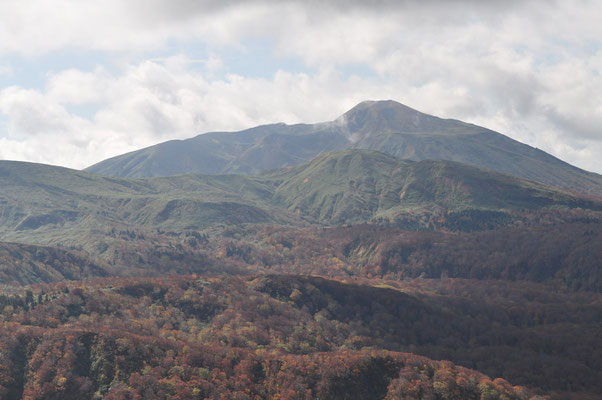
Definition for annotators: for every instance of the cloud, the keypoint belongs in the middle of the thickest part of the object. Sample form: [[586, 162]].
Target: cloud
[[530, 70], [148, 103], [156, 101], [35, 27]]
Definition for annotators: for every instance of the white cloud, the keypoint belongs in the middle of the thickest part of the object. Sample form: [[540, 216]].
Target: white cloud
[[527, 69], [150, 102], [155, 101], [73, 86], [35, 27]]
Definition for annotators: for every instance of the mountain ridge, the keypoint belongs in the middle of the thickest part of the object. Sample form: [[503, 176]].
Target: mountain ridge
[[386, 126]]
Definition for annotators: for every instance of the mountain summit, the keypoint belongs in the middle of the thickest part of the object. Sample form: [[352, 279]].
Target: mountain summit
[[387, 126], [388, 116]]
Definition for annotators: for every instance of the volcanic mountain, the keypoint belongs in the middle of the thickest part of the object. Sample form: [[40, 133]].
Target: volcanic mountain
[[387, 126]]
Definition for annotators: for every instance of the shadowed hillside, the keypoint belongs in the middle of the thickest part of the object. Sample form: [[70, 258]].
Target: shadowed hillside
[[296, 337], [26, 264]]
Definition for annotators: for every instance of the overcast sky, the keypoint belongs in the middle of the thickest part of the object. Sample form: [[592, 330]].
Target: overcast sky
[[83, 80]]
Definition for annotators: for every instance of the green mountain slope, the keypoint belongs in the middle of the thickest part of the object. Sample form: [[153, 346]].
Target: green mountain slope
[[386, 126], [356, 186], [50, 205]]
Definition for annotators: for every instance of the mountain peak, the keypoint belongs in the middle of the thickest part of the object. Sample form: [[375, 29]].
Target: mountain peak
[[385, 116], [385, 125], [380, 106]]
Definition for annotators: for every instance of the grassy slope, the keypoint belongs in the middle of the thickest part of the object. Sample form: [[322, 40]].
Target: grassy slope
[[351, 186], [44, 204], [356, 186]]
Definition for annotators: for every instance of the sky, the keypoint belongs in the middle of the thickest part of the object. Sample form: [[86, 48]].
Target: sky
[[82, 80]]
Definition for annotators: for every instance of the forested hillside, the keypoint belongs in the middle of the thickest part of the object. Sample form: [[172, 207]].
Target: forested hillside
[[294, 337]]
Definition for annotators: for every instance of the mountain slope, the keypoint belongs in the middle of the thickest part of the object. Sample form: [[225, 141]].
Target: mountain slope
[[163, 225], [386, 126], [564, 254], [50, 205], [232, 338], [355, 186], [248, 151], [26, 264]]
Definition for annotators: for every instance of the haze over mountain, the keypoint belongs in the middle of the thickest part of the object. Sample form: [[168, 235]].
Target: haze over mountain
[[386, 126]]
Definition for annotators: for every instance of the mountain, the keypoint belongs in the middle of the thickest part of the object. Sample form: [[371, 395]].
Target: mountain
[[386, 126], [52, 205], [355, 186], [192, 223], [202, 223]]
